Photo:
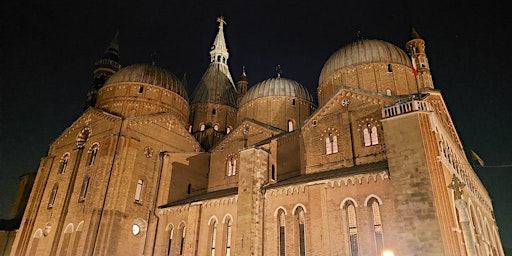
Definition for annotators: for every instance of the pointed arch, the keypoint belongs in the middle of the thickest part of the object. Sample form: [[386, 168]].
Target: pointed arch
[[63, 163], [182, 229], [91, 154], [299, 205], [376, 220], [300, 219], [228, 222], [349, 207], [281, 234], [212, 234]]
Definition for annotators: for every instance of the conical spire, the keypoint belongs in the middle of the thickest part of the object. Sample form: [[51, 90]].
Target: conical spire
[[219, 51], [112, 51], [414, 34]]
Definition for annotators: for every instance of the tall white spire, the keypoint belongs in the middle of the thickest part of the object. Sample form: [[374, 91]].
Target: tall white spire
[[219, 52]]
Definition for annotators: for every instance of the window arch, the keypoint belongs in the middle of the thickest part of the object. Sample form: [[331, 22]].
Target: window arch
[[290, 125], [331, 144], [229, 227], [281, 236], [53, 195], [350, 213], [377, 224], [138, 191], [35, 242], [91, 154], [370, 135], [170, 230], [63, 163], [213, 235], [301, 222], [231, 166], [85, 187], [183, 230]]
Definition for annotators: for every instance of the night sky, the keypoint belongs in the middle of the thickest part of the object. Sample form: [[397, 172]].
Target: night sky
[[47, 53]]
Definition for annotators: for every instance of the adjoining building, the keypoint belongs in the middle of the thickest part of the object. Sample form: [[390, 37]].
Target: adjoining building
[[376, 166]]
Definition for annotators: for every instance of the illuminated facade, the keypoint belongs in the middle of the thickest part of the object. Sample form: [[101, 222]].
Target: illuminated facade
[[375, 166]]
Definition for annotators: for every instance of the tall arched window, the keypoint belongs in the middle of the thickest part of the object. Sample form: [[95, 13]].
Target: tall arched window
[[301, 233], [229, 225], [228, 129], [350, 213], [282, 232], [377, 224], [375, 136], [183, 230], [138, 191], [331, 144], [85, 187], [290, 125], [171, 231], [91, 155], [53, 195], [63, 163], [35, 242], [213, 236], [65, 241], [231, 166]]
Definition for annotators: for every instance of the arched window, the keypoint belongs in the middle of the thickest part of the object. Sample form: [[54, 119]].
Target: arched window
[[202, 127], [228, 129], [170, 241], [190, 128], [63, 163], [273, 173], [53, 195], [91, 155], [388, 92], [216, 127], [183, 230], [301, 233], [214, 112], [350, 213], [231, 166], [138, 191], [83, 190], [213, 236], [229, 224], [377, 224], [331, 144], [370, 135], [290, 125], [65, 241], [282, 232], [35, 242]]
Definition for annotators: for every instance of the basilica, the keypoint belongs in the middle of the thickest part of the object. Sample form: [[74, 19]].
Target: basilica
[[374, 166]]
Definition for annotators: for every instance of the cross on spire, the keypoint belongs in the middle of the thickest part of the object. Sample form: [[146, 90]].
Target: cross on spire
[[221, 21]]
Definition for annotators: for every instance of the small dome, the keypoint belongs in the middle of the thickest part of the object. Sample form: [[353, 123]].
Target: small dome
[[277, 86], [361, 52], [149, 74]]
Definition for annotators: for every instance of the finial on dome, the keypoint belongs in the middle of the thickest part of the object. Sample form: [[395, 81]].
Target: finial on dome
[[414, 34], [279, 71], [153, 58], [243, 71], [359, 35], [221, 21]]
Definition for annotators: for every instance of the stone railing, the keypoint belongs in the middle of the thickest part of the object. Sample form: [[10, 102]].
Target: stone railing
[[406, 107]]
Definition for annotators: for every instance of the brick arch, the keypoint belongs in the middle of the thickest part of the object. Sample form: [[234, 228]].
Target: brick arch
[[370, 197]]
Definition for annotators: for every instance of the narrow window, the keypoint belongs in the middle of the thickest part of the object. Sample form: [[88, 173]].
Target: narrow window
[[216, 127], [170, 242], [282, 233], [53, 195], [63, 163], [377, 225], [231, 166], [91, 155], [183, 230], [331, 144], [388, 92], [290, 125], [229, 224], [293, 102], [202, 127], [190, 128], [189, 189], [390, 69], [228, 129], [352, 228], [374, 136], [213, 237], [301, 233], [366, 137], [138, 191], [141, 89], [273, 174], [85, 187], [214, 112]]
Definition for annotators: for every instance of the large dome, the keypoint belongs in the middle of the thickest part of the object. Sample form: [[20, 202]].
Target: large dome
[[149, 74], [277, 86], [361, 52]]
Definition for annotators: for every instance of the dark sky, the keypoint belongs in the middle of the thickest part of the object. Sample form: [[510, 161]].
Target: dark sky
[[48, 50]]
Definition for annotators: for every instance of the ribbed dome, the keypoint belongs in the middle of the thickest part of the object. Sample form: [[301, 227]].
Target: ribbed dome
[[149, 74], [277, 86], [361, 52]]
